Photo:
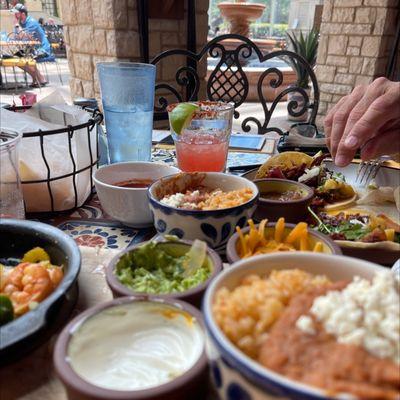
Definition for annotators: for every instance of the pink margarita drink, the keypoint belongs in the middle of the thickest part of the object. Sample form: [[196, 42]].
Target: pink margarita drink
[[201, 153], [203, 145]]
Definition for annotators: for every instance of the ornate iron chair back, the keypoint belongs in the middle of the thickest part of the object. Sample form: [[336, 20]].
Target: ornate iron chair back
[[20, 44], [228, 81]]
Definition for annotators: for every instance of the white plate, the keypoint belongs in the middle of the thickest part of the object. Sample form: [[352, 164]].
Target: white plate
[[387, 176]]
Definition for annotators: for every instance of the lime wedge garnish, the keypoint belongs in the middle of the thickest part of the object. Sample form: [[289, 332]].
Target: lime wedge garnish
[[181, 116], [195, 257], [6, 310]]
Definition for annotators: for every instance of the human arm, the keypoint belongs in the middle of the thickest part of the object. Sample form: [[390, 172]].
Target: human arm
[[367, 119]]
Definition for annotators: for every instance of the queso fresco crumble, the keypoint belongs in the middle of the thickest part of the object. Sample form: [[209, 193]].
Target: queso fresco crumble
[[364, 313], [208, 199]]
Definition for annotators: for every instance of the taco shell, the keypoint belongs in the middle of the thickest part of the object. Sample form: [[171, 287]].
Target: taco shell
[[371, 212], [288, 159], [340, 205], [385, 245]]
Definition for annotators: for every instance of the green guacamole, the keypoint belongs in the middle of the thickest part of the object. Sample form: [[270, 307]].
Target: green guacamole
[[161, 268]]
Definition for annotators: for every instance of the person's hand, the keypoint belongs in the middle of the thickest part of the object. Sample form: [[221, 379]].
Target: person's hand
[[367, 119]]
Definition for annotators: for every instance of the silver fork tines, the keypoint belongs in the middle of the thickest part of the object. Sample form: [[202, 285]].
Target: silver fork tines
[[368, 170]]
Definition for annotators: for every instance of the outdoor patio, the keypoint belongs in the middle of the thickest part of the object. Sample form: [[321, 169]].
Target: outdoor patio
[[181, 224], [10, 96]]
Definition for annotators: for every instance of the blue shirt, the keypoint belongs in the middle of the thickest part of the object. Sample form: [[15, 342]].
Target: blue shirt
[[34, 28]]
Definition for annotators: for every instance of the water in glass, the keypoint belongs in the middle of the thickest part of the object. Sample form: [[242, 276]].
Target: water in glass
[[127, 92], [11, 197]]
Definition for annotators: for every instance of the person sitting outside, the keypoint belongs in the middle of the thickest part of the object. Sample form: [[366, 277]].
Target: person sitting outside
[[33, 30]]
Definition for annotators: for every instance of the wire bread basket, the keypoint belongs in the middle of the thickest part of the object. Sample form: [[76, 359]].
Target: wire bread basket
[[78, 181]]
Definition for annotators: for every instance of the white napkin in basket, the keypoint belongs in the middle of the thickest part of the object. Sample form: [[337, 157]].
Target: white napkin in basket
[[51, 113]]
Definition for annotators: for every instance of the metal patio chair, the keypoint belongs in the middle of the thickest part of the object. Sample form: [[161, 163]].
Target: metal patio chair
[[228, 81]]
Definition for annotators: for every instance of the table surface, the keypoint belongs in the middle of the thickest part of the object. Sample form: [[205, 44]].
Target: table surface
[[4, 43], [90, 226], [18, 42], [100, 237], [36, 369]]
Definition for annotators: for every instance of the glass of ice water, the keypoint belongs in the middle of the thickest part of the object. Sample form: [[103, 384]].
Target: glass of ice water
[[11, 197], [127, 94]]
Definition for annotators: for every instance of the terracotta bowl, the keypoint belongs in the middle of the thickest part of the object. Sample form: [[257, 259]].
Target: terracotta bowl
[[329, 246], [291, 210], [190, 384], [193, 296], [233, 369]]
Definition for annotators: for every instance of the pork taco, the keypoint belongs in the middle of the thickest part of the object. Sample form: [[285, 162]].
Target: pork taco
[[331, 192], [288, 165], [359, 227]]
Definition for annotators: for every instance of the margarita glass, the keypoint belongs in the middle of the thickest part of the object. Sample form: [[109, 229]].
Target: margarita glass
[[203, 142]]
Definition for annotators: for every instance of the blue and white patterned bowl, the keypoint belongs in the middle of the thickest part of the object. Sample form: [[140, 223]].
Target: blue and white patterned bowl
[[237, 376], [213, 226]]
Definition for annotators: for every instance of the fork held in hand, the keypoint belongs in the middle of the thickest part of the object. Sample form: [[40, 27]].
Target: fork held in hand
[[368, 170]]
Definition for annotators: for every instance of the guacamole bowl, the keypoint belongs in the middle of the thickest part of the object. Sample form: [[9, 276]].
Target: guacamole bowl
[[157, 268]]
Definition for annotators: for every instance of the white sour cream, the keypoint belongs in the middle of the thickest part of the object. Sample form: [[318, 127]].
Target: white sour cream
[[135, 346]]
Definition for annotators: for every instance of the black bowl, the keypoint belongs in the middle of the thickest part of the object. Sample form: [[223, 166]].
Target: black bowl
[[33, 328]]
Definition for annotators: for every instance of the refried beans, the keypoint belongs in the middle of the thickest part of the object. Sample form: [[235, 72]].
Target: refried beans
[[319, 360]]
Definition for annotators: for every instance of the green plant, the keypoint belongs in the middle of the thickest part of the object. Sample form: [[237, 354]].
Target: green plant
[[261, 30], [305, 46]]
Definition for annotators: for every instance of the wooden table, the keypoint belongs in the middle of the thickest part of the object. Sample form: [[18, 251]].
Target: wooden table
[[4, 43]]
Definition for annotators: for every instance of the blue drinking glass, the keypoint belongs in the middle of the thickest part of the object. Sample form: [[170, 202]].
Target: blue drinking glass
[[127, 94]]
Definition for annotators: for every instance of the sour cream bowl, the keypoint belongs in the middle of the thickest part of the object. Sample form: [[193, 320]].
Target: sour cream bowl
[[133, 348]]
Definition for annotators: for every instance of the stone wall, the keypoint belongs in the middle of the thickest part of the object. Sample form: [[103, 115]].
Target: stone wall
[[355, 41], [107, 30]]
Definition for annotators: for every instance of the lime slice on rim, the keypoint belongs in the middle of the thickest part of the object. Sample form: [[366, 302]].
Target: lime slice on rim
[[181, 116]]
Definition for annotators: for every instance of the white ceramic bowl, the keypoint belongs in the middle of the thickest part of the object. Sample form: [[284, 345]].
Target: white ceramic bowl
[[212, 226], [231, 369], [128, 205]]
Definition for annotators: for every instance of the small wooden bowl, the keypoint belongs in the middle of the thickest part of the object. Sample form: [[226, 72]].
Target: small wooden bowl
[[291, 210]]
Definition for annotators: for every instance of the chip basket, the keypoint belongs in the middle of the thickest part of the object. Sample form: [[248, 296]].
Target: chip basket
[[70, 131]]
